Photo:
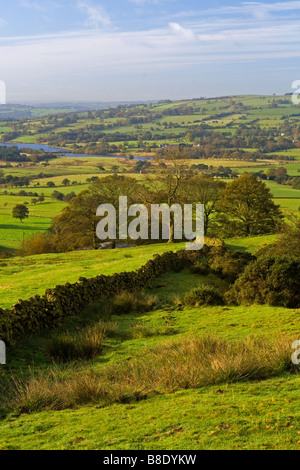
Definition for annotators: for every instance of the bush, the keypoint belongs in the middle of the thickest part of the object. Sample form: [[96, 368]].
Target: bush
[[273, 281], [229, 265], [111, 329], [201, 267], [287, 244], [37, 245], [141, 330], [203, 295]]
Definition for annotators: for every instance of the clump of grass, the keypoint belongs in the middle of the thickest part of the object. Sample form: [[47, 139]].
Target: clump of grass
[[129, 302], [203, 295], [142, 330], [84, 345], [111, 328], [185, 364]]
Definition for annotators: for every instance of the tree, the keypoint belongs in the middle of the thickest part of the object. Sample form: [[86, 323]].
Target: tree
[[247, 203], [281, 171], [57, 195], [76, 226], [206, 191], [50, 184], [66, 182], [21, 212], [170, 181]]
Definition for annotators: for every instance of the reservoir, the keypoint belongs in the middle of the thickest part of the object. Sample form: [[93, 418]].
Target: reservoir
[[62, 152]]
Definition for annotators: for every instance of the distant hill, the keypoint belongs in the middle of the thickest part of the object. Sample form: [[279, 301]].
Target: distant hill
[[26, 110]]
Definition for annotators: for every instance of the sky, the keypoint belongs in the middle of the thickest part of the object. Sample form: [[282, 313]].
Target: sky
[[144, 50]]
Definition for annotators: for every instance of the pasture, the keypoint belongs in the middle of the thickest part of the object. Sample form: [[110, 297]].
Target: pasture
[[237, 414]]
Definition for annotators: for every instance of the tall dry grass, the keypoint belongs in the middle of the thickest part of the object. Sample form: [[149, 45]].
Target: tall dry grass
[[83, 345], [186, 364], [132, 302]]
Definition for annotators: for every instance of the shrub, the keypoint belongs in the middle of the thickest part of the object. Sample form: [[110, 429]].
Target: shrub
[[201, 267], [203, 295], [273, 281], [37, 245], [229, 265], [111, 328], [287, 244], [140, 330]]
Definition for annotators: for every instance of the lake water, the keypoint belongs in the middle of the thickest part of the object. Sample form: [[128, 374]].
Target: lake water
[[63, 152]]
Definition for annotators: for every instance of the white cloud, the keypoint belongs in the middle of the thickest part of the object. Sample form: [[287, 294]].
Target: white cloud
[[129, 51], [96, 14], [186, 35], [263, 11]]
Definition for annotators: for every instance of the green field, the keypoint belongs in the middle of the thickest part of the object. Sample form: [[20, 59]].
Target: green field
[[258, 415], [78, 171], [248, 415], [21, 278], [12, 231], [173, 120]]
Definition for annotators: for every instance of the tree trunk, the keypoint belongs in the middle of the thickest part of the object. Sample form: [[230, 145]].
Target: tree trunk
[[171, 239]]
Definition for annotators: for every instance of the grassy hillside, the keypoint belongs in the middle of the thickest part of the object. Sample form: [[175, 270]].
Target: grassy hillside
[[21, 278], [251, 416], [246, 415], [149, 371]]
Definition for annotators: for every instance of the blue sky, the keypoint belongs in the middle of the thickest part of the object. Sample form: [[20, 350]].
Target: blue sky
[[129, 50]]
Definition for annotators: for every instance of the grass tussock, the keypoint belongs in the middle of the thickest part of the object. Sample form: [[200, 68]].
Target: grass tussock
[[83, 345], [130, 302], [176, 365], [142, 330]]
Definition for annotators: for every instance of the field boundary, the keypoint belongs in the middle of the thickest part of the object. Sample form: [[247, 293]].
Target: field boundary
[[47, 311]]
